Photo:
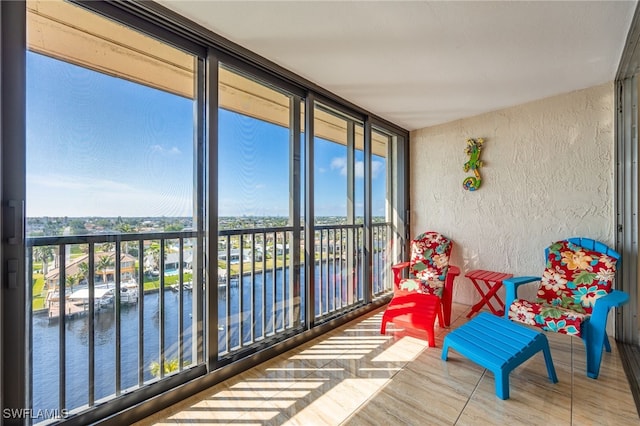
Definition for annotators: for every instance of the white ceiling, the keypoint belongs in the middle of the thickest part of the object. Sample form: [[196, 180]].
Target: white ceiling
[[420, 63]]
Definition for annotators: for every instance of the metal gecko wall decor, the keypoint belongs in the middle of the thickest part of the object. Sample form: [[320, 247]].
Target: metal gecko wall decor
[[474, 146]]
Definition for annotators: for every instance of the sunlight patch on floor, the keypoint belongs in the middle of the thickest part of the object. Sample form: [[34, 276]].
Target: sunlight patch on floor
[[359, 391], [404, 350]]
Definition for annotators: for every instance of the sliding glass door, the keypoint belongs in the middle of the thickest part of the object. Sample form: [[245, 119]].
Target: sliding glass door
[[114, 246], [259, 198], [167, 218]]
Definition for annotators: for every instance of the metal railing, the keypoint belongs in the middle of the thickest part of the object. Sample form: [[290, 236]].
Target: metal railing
[[338, 268], [92, 340], [382, 258], [258, 294], [111, 322]]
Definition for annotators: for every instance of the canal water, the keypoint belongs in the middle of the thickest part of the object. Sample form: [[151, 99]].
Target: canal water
[[266, 317]]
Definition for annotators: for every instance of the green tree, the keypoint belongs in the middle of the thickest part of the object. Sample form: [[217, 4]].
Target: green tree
[[104, 263], [83, 271], [169, 366], [77, 227], [154, 251], [71, 280], [43, 254], [125, 228], [107, 247], [173, 227]]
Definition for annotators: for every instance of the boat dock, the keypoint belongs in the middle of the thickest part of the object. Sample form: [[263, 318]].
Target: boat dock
[[71, 310]]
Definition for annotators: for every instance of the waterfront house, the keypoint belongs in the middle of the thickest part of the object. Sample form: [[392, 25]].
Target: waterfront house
[[346, 121], [74, 267], [172, 261]]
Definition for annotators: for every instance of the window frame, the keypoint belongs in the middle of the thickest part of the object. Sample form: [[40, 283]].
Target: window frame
[[178, 31]]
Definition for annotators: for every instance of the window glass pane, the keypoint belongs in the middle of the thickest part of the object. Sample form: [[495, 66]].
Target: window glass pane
[[257, 296], [381, 189], [253, 152], [381, 202], [358, 170], [339, 210], [330, 156], [111, 156]]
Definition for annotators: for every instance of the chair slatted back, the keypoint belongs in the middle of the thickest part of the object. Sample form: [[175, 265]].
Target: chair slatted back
[[430, 254], [578, 271]]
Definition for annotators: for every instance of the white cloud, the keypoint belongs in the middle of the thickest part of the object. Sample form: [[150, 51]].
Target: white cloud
[[77, 184], [164, 151], [340, 163], [376, 168], [64, 195], [359, 169]]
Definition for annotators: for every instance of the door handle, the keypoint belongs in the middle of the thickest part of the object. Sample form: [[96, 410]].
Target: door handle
[[16, 214], [12, 273]]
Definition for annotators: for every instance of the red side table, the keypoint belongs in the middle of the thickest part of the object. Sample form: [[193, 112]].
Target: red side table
[[487, 283]]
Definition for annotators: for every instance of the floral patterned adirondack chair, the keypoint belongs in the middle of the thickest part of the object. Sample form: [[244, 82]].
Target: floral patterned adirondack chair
[[574, 296], [429, 270]]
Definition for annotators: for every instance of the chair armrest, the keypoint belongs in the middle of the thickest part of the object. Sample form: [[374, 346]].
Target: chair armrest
[[511, 285], [397, 270], [614, 299], [602, 305], [400, 266], [518, 281], [454, 271]]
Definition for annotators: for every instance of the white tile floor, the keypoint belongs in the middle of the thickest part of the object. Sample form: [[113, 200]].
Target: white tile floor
[[355, 376]]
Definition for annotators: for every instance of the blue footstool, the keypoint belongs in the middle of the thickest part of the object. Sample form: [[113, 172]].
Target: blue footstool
[[498, 345]]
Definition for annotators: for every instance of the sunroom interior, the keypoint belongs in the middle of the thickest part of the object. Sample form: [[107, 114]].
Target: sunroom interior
[[250, 79]]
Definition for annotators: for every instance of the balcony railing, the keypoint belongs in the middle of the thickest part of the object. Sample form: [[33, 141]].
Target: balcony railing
[[257, 290], [382, 258], [103, 322], [114, 313]]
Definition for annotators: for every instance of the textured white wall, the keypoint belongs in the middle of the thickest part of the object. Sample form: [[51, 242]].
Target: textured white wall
[[548, 175]]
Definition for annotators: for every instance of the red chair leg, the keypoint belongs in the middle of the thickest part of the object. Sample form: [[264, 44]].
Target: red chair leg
[[383, 326]]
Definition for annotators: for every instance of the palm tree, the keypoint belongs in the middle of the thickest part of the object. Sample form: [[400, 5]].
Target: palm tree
[[154, 251], [83, 271], [104, 263], [169, 366], [43, 254], [71, 281], [107, 247], [56, 256], [125, 228]]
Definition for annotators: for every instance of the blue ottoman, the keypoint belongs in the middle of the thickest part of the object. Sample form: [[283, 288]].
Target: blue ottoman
[[498, 345]]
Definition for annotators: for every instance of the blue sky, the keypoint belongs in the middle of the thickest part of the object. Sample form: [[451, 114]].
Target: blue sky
[[102, 146]]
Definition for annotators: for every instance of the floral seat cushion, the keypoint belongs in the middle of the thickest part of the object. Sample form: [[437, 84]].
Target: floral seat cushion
[[547, 317], [429, 264], [432, 286], [573, 280]]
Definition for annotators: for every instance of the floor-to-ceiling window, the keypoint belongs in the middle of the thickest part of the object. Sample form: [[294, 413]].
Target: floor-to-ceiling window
[[383, 193], [339, 210], [141, 142], [112, 244], [259, 292]]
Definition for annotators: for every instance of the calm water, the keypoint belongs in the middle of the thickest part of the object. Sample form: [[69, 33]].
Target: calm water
[[260, 320]]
